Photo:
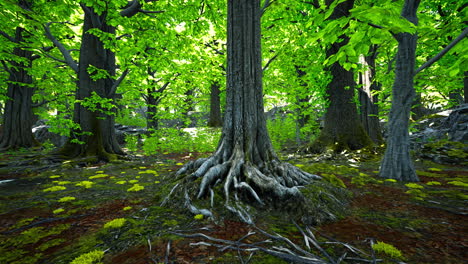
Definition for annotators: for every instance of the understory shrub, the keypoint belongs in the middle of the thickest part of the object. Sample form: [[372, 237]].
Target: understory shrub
[[181, 140]]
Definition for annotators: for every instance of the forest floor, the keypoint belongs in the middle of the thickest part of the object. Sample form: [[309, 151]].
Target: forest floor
[[72, 214]]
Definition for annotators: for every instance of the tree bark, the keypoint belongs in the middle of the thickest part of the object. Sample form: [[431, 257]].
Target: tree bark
[[465, 86], [18, 116], [342, 128], [397, 163], [152, 101], [215, 119], [369, 110], [97, 133], [244, 160]]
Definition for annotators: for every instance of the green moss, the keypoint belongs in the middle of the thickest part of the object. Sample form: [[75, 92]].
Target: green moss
[[387, 249], [93, 257], [66, 199], [335, 181], [433, 183], [55, 189], [412, 185], [458, 183], [135, 188], [116, 223]]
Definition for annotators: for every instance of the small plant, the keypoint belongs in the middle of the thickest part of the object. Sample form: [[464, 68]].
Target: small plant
[[58, 211], [135, 188], [116, 223], [458, 183], [131, 142], [97, 176], [414, 186], [86, 184], [66, 199], [93, 257], [55, 189], [198, 217], [384, 248]]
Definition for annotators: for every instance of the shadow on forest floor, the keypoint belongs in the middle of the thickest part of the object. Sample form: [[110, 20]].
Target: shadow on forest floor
[[57, 214]]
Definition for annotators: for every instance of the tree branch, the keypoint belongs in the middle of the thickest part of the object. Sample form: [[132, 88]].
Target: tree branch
[[66, 54], [313, 3], [117, 83], [442, 52], [94, 18], [269, 62], [266, 4], [131, 9], [10, 38]]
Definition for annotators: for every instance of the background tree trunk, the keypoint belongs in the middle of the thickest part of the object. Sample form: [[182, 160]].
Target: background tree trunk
[[215, 119], [369, 110], [465, 86], [397, 163], [342, 128], [18, 116], [97, 132], [152, 101]]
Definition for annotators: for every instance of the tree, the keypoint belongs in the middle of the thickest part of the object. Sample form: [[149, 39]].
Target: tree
[[397, 163], [18, 116], [342, 128], [244, 159], [94, 110]]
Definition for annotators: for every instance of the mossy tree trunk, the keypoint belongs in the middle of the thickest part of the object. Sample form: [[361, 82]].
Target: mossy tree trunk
[[18, 116], [397, 163], [96, 136], [342, 128], [244, 161]]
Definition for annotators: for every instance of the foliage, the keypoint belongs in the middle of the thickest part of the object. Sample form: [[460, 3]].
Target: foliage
[[131, 142], [174, 140]]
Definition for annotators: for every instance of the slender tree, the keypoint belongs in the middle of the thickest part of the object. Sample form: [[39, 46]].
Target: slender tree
[[397, 163]]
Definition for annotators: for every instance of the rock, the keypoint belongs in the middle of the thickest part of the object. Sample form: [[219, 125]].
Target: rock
[[121, 131], [42, 134]]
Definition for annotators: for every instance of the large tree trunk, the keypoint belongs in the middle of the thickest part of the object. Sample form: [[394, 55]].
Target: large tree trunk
[[18, 117], [369, 110], [342, 128], [397, 163], [96, 134], [215, 119], [245, 161]]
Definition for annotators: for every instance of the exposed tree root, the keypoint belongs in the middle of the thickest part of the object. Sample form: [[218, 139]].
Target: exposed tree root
[[265, 184], [281, 247]]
